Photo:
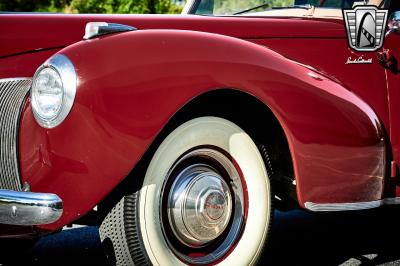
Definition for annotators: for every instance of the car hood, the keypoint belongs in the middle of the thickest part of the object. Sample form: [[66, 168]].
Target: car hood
[[24, 33]]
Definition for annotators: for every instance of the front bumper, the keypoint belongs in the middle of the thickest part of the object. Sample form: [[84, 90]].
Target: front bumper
[[28, 208]]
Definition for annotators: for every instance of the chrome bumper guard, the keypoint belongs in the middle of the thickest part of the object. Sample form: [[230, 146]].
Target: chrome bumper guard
[[28, 208]]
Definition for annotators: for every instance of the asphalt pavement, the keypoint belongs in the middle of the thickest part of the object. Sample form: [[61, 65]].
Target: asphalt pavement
[[297, 238]]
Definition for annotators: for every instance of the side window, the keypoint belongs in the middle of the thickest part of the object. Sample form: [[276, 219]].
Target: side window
[[332, 3], [230, 6], [205, 7]]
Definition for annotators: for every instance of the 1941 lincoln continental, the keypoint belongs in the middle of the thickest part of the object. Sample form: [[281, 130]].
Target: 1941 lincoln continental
[[175, 134]]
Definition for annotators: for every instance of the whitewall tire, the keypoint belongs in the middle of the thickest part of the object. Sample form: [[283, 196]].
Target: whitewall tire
[[205, 199]]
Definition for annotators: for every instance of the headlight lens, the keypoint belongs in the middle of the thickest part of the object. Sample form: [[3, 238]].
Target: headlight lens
[[47, 93], [53, 91]]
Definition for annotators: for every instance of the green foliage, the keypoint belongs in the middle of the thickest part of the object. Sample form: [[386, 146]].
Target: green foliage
[[91, 6]]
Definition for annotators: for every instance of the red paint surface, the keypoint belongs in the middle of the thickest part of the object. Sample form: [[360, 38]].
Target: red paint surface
[[393, 82], [54, 30], [125, 98], [23, 65], [131, 84]]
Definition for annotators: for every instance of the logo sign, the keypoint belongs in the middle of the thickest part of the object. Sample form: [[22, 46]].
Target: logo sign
[[365, 27]]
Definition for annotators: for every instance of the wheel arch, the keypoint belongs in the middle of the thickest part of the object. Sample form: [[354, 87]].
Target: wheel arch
[[253, 116], [257, 120]]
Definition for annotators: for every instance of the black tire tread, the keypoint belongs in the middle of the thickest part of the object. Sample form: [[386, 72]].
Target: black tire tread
[[120, 234], [132, 230]]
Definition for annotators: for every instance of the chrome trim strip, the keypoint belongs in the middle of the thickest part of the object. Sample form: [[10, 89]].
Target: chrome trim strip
[[331, 207], [28, 208], [96, 29], [392, 201]]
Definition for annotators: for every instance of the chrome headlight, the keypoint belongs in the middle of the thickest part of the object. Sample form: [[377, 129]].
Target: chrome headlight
[[53, 91]]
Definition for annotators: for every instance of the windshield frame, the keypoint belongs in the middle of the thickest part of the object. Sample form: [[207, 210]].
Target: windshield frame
[[192, 5]]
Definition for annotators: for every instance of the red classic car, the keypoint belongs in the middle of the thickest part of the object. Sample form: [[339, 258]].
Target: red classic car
[[178, 135]]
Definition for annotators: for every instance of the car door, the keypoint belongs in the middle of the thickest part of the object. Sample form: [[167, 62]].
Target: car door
[[389, 58]]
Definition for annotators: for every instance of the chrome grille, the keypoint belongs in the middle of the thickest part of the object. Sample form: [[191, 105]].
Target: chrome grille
[[12, 95]]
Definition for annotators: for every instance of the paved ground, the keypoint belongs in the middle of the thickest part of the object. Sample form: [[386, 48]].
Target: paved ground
[[298, 238]]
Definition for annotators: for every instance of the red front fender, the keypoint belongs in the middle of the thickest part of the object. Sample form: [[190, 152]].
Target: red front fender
[[131, 84]]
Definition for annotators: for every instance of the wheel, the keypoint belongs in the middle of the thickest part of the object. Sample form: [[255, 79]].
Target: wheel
[[205, 199]]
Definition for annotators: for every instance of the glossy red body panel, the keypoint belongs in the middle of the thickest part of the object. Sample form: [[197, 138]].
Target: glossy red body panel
[[23, 65], [392, 44], [130, 85], [367, 81], [114, 118], [47, 31]]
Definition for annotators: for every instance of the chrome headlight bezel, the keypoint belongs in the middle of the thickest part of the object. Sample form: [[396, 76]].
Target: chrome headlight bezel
[[66, 71]]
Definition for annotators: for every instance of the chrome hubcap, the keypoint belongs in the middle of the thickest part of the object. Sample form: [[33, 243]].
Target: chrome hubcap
[[200, 205]]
